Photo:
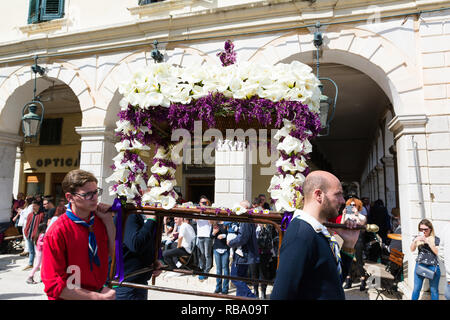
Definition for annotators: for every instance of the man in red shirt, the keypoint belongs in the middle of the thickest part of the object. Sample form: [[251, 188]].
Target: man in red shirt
[[78, 244]]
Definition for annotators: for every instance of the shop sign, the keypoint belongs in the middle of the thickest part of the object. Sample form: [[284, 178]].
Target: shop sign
[[57, 162]]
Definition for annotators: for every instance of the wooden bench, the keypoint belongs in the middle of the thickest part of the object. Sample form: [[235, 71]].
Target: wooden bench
[[390, 275], [13, 239]]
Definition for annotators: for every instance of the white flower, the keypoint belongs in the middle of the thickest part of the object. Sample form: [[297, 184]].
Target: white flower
[[162, 153], [139, 181], [153, 182], [290, 144], [189, 204], [130, 193], [130, 145], [168, 202], [159, 170], [299, 179], [167, 185], [147, 199], [307, 146], [155, 192], [162, 83], [288, 166], [123, 145], [274, 182], [238, 209], [285, 203], [120, 175], [283, 132]]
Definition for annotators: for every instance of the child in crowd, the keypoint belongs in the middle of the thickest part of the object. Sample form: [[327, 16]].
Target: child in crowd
[[39, 242]]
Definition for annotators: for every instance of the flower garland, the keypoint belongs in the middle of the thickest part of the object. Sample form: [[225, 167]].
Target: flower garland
[[286, 187], [163, 98]]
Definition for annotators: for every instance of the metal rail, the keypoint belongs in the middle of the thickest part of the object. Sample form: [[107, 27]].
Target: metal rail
[[273, 218]]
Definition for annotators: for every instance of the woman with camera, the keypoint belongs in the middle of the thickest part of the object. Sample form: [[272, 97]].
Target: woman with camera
[[427, 264], [352, 210]]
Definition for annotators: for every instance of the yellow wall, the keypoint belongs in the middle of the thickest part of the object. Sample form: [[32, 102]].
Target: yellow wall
[[55, 158], [260, 183]]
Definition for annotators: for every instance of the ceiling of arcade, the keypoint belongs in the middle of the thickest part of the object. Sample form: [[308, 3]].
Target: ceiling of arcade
[[360, 105]]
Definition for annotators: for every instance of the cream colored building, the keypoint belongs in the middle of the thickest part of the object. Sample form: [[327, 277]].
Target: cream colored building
[[389, 139]]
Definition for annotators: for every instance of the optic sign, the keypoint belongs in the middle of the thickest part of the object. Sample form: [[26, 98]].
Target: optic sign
[[57, 162]]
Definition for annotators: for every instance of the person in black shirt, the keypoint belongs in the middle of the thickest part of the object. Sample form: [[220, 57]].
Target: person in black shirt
[[221, 256], [427, 244], [311, 264], [138, 253]]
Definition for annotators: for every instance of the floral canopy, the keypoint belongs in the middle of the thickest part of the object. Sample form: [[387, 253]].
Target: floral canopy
[[285, 96]]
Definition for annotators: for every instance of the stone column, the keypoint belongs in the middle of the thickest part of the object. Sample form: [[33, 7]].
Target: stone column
[[374, 186], [404, 128], [8, 148], [233, 172], [380, 182], [390, 189], [18, 168], [97, 151]]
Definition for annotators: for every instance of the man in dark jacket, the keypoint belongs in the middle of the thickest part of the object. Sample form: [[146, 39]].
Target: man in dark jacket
[[138, 253], [311, 265], [246, 239]]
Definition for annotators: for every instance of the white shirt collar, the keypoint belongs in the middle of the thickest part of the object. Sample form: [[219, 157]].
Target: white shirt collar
[[316, 225]]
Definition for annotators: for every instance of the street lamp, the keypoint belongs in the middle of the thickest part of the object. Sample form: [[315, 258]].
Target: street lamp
[[156, 54], [325, 102], [31, 121]]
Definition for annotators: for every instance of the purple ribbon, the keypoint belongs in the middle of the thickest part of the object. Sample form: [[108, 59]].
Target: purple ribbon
[[117, 207], [286, 220]]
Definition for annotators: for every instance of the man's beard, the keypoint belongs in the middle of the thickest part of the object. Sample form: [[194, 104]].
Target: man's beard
[[328, 211]]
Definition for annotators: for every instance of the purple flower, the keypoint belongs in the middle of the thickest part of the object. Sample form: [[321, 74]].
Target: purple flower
[[227, 57]]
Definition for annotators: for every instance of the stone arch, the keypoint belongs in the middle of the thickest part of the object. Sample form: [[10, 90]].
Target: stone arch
[[17, 89], [130, 63], [364, 50], [110, 78]]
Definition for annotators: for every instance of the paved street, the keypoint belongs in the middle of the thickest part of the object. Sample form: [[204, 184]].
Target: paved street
[[14, 287]]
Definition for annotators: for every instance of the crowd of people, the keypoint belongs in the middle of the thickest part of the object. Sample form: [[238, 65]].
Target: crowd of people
[[376, 247], [236, 249], [244, 250], [32, 215], [81, 233]]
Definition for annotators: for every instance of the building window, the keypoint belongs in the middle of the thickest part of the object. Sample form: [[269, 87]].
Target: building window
[[142, 2], [45, 10], [51, 132]]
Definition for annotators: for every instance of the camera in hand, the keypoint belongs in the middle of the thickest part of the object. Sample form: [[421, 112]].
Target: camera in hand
[[349, 209]]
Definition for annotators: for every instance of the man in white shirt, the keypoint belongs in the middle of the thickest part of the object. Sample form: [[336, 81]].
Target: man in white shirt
[[186, 235], [23, 222]]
